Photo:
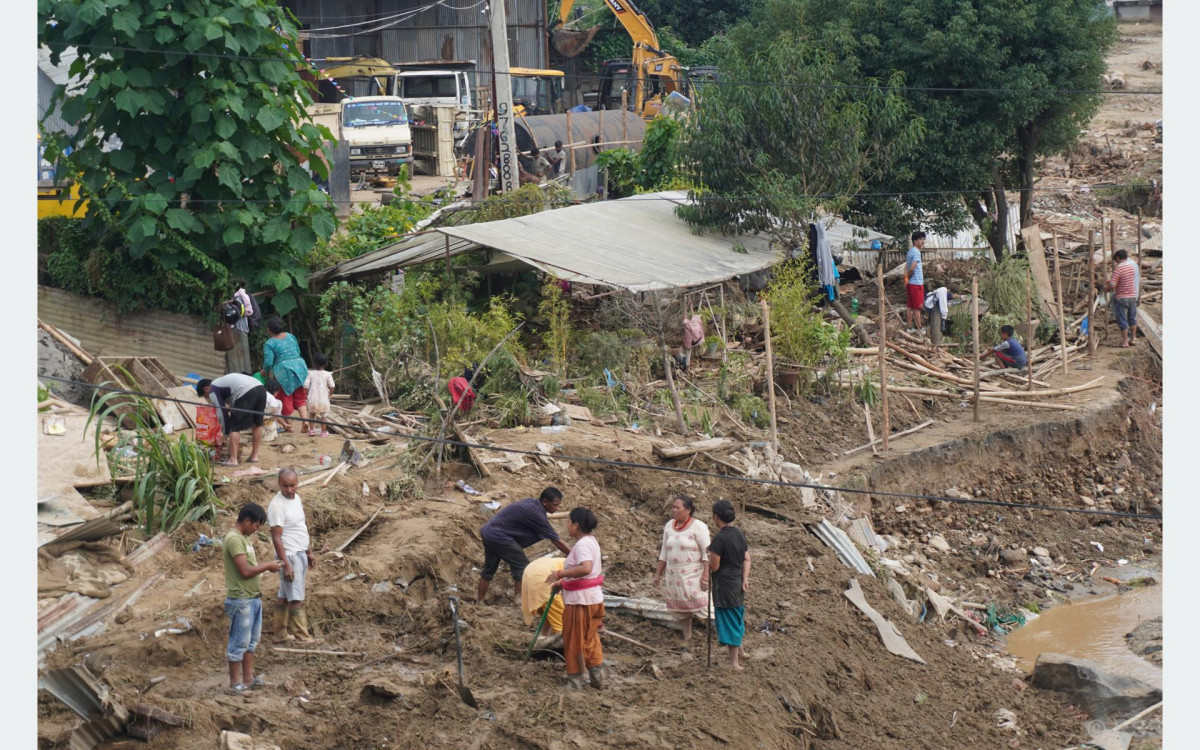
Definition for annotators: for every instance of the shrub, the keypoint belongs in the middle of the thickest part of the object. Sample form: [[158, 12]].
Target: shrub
[[173, 477]]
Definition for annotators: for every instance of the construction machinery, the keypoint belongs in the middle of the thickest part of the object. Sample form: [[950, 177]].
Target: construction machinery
[[643, 81]]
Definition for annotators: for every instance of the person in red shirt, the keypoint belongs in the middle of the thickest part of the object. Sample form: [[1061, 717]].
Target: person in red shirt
[[1124, 284]]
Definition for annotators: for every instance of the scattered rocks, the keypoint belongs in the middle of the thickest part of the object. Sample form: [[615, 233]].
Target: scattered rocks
[[239, 741], [1089, 502], [1146, 640], [1041, 552], [939, 543], [1018, 555], [1100, 692]]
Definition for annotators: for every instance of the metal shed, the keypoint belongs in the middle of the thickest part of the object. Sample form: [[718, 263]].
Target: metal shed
[[440, 31]]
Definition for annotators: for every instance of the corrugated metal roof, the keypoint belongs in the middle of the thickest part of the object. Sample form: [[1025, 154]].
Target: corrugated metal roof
[[183, 343], [836, 539], [636, 243], [445, 31]]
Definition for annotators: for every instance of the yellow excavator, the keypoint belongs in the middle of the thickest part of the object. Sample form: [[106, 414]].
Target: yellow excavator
[[649, 77]]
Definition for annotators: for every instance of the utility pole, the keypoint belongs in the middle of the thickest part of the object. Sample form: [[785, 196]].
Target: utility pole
[[509, 170]]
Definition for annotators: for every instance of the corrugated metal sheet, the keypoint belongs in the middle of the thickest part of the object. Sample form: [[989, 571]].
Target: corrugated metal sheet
[[87, 696], [183, 343], [448, 31], [836, 539]]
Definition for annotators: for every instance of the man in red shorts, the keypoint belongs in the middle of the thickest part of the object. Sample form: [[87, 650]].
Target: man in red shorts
[[914, 281]]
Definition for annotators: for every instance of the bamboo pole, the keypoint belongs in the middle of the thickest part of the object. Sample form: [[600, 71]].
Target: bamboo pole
[[1029, 324], [1062, 316], [883, 386], [975, 338], [570, 141], [1138, 291], [766, 311], [1091, 313], [721, 291]]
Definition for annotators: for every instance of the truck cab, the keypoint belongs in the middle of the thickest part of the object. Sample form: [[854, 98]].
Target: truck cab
[[439, 88], [376, 130]]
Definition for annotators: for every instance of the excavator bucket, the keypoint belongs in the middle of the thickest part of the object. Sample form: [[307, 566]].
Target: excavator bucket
[[572, 43]]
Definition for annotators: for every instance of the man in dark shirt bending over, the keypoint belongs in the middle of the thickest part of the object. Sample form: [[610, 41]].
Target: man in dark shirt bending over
[[519, 525]]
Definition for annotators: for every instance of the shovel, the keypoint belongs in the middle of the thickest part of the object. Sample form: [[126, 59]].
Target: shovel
[[538, 632], [464, 692]]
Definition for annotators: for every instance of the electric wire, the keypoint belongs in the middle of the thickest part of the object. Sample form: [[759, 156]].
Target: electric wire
[[631, 465], [773, 84], [710, 198]]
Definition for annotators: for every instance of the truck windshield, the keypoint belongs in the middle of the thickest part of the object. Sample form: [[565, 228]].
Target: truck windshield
[[423, 87], [364, 114]]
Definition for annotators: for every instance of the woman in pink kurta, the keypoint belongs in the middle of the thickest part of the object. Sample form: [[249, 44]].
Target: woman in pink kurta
[[683, 559]]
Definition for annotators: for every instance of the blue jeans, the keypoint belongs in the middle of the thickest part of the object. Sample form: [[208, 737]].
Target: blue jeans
[[245, 627], [1126, 309]]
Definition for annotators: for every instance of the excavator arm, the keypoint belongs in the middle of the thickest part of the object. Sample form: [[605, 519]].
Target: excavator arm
[[648, 60]]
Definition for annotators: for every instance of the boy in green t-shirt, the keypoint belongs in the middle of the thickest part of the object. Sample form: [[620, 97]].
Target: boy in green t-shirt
[[243, 602]]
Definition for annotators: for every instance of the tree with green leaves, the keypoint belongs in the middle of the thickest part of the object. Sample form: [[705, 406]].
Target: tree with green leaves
[[999, 83], [207, 104], [772, 155]]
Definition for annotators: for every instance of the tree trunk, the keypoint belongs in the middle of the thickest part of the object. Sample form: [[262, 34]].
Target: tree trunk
[[982, 208], [1028, 137]]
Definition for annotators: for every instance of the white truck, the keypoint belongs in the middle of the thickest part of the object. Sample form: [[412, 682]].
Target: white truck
[[376, 129], [440, 87]]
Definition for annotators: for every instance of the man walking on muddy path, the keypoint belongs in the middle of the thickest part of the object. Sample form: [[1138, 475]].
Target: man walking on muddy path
[[293, 549], [521, 524]]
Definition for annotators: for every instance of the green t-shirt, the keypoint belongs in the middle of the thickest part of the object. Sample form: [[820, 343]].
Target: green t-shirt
[[237, 587]]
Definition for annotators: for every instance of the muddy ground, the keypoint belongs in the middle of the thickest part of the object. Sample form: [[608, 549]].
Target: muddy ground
[[817, 676]]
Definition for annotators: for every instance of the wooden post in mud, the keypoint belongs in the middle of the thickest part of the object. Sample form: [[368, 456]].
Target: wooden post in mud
[[975, 337], [766, 311], [1091, 293], [883, 389], [570, 141], [1138, 292], [1062, 315], [1029, 323]]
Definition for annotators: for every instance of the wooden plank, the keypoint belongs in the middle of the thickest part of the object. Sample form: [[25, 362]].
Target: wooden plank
[[683, 451], [476, 459], [1150, 328], [1032, 237], [893, 641], [185, 393]]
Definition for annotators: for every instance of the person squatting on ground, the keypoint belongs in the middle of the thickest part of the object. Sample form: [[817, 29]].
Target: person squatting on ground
[[914, 281], [1124, 285], [240, 401], [319, 386], [583, 601], [535, 592], [517, 526], [1009, 351], [243, 602], [683, 559], [293, 549], [729, 561]]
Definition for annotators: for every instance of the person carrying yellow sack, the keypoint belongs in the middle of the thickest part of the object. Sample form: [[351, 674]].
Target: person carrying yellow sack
[[534, 593]]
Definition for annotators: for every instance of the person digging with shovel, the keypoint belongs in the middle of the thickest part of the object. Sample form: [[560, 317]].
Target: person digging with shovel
[[293, 549]]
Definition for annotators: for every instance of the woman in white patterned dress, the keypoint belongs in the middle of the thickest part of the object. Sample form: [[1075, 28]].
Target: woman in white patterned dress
[[684, 561]]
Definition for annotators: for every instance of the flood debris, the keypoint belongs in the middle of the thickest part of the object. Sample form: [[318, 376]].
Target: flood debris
[[1101, 692], [893, 641]]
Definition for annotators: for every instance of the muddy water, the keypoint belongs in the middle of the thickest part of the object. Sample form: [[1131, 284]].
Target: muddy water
[[1092, 629]]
